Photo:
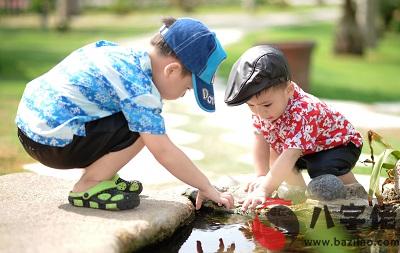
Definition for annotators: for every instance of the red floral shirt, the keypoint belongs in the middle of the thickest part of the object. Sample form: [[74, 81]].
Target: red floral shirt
[[307, 124]]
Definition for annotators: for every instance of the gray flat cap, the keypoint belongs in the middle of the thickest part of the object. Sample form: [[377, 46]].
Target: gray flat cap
[[258, 68]]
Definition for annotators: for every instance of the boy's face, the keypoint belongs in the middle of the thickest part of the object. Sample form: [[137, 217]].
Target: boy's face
[[173, 84], [271, 103], [178, 84]]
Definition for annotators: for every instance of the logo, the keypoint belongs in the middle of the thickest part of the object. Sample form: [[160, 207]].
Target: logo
[[208, 97]]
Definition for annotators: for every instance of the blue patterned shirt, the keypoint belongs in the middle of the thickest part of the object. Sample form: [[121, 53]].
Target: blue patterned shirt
[[95, 81]]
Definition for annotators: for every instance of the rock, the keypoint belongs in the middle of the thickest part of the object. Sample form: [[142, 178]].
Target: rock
[[355, 190], [326, 188], [209, 205], [36, 217]]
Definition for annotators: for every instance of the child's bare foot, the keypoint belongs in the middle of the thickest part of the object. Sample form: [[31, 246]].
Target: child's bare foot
[[84, 184], [348, 178]]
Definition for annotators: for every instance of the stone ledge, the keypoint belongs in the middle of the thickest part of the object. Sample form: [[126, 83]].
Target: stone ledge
[[36, 217]]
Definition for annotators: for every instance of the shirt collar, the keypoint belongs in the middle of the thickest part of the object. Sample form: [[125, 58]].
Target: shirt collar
[[286, 113]]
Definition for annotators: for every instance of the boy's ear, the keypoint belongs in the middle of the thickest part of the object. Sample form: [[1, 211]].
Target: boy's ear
[[172, 68], [290, 88]]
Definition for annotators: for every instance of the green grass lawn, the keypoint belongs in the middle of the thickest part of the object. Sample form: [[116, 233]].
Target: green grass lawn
[[28, 52], [209, 8]]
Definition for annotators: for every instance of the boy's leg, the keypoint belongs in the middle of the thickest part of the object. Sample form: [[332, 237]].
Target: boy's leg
[[338, 161], [348, 178], [295, 178], [107, 166]]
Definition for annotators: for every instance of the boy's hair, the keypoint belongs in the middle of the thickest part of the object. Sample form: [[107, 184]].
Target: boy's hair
[[158, 42], [275, 86]]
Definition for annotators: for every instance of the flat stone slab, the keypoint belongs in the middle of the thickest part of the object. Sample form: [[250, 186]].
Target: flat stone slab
[[35, 216]]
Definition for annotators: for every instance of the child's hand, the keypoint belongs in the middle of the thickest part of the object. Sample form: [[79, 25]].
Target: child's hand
[[254, 199], [253, 184], [222, 198]]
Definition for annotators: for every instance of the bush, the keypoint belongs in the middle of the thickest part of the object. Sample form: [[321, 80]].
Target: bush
[[42, 6], [389, 10]]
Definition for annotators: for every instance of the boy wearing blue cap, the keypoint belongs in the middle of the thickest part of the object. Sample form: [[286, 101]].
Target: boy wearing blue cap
[[102, 104]]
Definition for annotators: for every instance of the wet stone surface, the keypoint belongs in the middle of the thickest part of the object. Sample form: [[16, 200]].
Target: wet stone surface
[[350, 202]]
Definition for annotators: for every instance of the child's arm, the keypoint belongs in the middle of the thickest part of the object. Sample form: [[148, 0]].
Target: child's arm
[[282, 166], [261, 160], [176, 162], [260, 155]]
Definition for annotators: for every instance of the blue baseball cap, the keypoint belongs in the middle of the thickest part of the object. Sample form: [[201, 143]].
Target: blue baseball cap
[[200, 52]]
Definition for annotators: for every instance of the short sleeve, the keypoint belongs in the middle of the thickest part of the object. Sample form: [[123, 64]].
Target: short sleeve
[[140, 100], [143, 119], [301, 133], [256, 124]]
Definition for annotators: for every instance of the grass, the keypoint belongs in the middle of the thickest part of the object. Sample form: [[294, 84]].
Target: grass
[[29, 52], [372, 78], [12, 155], [266, 8], [211, 8]]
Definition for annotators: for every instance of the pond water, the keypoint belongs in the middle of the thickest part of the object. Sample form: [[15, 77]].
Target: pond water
[[215, 232]]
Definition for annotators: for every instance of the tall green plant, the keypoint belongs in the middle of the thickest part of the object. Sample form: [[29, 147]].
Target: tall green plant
[[386, 160]]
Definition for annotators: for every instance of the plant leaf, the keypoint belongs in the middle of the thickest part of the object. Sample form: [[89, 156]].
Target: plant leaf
[[382, 162]]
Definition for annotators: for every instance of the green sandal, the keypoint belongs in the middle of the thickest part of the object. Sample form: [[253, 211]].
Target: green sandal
[[128, 186], [106, 196]]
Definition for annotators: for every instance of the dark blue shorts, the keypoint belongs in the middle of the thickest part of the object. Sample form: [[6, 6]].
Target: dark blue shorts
[[336, 161], [109, 134]]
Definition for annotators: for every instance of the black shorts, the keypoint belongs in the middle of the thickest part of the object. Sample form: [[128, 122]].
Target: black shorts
[[103, 136], [336, 161]]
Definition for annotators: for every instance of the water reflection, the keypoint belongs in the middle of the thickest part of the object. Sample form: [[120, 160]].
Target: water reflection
[[221, 247], [212, 232]]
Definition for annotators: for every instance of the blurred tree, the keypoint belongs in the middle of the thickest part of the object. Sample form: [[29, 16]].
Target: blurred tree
[[367, 16], [43, 7], [349, 39], [62, 17], [64, 11]]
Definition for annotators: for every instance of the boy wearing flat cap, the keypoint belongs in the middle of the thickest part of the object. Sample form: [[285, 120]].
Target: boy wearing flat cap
[[293, 129]]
